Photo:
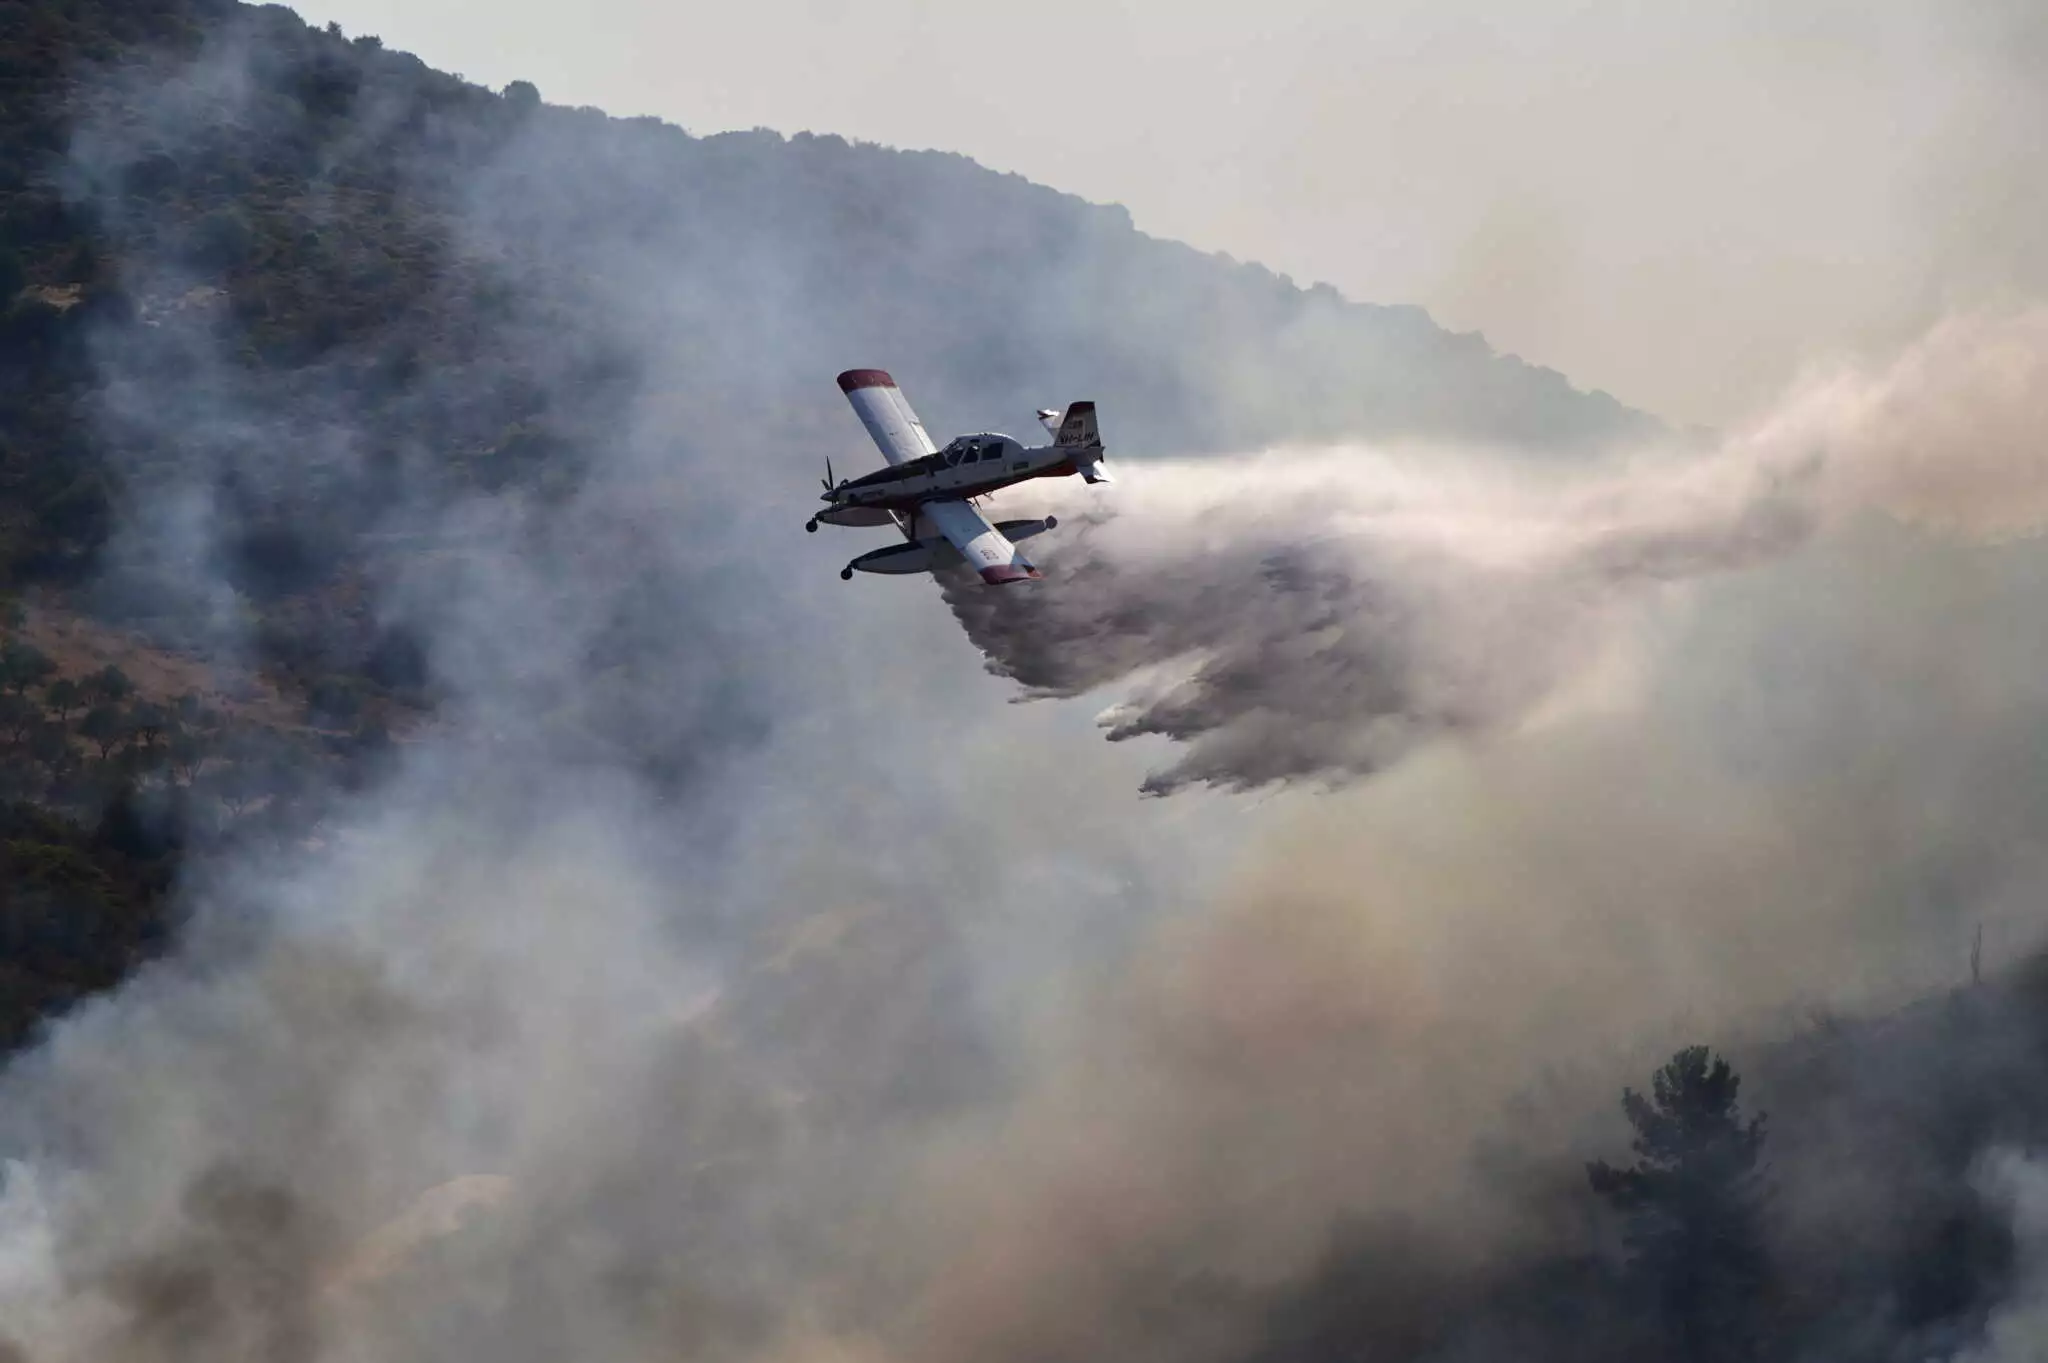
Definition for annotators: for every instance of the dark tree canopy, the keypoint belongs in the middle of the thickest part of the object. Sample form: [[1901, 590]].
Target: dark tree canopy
[[23, 665], [1692, 1205]]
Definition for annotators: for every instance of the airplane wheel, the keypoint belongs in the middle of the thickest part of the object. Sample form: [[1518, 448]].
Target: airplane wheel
[[1052, 522], [811, 526], [846, 574]]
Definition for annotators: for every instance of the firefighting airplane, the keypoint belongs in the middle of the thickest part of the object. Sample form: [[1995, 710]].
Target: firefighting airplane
[[926, 492]]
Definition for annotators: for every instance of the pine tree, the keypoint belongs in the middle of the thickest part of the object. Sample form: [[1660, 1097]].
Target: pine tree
[[1692, 1206]]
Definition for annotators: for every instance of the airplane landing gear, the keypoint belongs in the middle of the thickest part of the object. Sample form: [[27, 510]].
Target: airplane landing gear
[[846, 574], [811, 525]]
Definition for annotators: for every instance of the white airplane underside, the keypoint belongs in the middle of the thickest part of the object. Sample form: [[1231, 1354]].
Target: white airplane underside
[[927, 493]]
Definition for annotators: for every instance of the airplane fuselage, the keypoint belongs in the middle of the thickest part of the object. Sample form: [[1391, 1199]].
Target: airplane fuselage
[[971, 466]]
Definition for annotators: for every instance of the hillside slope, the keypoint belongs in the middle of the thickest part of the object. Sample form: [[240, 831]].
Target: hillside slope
[[281, 311], [335, 391]]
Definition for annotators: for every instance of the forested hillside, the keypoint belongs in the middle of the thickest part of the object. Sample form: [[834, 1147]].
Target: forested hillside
[[1867, 1213], [275, 298], [339, 396]]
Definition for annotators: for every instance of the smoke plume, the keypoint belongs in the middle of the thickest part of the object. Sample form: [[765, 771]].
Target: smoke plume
[[876, 1021], [2019, 1330], [1320, 615]]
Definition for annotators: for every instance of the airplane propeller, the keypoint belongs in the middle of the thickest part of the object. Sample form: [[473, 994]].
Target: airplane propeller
[[811, 525]]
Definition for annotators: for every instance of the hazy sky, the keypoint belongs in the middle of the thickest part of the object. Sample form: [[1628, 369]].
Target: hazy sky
[[1679, 204]]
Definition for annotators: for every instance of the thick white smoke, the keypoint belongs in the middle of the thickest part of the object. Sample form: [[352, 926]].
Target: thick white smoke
[[904, 1032], [2018, 1330], [523, 1065], [1319, 614]]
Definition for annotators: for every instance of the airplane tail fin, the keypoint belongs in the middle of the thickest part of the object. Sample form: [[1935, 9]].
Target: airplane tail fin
[[1078, 433], [1077, 428]]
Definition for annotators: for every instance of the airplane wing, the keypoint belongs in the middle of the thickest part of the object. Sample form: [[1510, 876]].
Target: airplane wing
[[886, 413], [985, 548]]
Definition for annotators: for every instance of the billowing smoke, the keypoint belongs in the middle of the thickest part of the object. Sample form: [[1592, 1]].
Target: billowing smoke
[[1320, 615], [2019, 1330], [889, 1025]]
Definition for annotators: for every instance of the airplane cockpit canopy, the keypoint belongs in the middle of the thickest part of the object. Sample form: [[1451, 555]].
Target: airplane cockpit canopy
[[985, 447]]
